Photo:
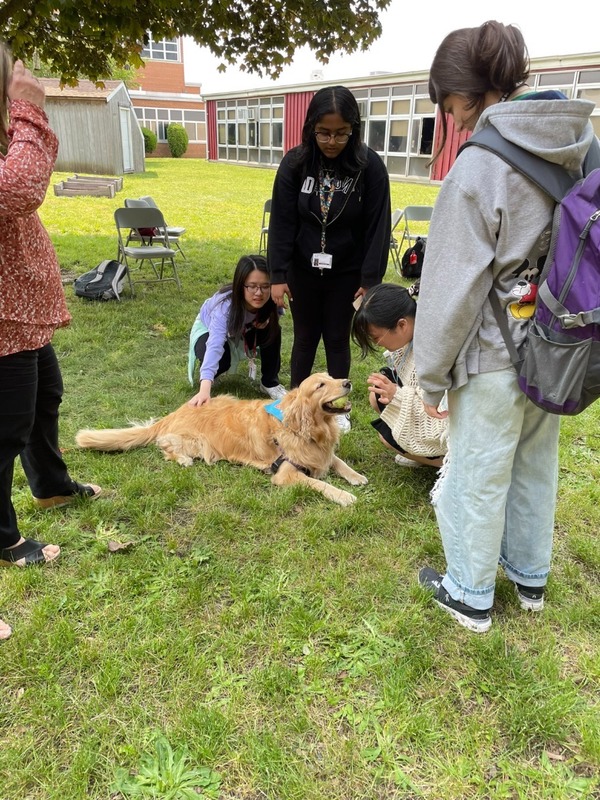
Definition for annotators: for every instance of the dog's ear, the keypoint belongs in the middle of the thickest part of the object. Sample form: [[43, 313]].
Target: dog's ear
[[298, 416], [291, 408]]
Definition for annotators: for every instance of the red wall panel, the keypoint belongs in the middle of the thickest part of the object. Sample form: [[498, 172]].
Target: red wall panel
[[211, 130], [454, 140], [295, 112]]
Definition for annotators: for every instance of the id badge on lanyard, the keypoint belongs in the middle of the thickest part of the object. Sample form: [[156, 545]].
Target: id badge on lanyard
[[322, 260]]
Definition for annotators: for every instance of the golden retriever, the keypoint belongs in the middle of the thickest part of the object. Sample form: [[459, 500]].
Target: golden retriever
[[297, 449]]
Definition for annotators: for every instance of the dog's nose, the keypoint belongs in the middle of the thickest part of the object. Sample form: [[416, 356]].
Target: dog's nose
[[347, 385]]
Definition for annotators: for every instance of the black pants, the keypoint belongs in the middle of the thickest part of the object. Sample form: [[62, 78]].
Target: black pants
[[270, 353], [31, 390], [322, 307]]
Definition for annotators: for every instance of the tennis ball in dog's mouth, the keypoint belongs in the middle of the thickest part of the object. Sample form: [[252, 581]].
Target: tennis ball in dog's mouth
[[339, 403]]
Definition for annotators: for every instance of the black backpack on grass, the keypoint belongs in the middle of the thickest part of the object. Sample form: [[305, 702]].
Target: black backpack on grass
[[412, 260], [104, 282]]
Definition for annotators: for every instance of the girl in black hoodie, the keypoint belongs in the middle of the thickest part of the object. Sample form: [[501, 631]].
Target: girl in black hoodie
[[329, 230]]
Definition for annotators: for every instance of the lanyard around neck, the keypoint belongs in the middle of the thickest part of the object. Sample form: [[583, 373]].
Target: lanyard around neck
[[326, 192]]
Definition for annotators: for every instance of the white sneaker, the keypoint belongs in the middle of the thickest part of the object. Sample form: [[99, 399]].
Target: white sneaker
[[343, 420], [406, 462], [274, 392], [530, 598]]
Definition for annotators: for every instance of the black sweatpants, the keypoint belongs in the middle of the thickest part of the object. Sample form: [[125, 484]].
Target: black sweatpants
[[31, 391], [321, 308]]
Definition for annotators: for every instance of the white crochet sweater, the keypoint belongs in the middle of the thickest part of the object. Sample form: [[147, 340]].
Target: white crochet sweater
[[415, 431]]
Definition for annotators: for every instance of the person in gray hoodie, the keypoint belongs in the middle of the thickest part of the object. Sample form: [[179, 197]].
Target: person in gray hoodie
[[495, 499]]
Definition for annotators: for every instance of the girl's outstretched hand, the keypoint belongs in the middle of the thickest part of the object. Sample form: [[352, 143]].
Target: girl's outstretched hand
[[203, 395]]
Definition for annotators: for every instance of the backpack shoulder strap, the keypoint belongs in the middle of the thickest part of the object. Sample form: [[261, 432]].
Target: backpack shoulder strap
[[550, 178], [515, 358]]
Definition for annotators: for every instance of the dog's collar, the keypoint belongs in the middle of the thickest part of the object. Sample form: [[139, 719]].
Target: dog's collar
[[274, 410], [279, 461]]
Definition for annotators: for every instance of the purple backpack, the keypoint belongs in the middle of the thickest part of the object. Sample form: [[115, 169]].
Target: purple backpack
[[559, 364]]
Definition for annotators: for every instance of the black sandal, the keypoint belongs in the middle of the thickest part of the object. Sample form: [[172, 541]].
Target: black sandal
[[30, 550]]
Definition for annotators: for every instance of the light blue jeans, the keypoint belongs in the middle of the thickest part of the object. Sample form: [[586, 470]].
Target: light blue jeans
[[497, 497]]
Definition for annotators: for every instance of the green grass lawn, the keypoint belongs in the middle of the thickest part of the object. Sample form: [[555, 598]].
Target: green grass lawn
[[254, 642]]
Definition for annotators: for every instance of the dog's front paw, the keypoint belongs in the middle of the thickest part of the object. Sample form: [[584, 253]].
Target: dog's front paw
[[344, 498], [356, 479]]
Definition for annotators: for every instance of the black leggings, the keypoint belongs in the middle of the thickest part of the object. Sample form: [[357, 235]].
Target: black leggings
[[322, 307], [31, 390]]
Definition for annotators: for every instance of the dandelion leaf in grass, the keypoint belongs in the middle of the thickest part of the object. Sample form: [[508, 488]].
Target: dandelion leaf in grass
[[167, 774]]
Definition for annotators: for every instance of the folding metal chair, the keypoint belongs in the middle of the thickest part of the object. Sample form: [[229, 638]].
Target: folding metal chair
[[394, 248], [264, 228], [137, 236], [414, 214], [174, 231], [128, 219]]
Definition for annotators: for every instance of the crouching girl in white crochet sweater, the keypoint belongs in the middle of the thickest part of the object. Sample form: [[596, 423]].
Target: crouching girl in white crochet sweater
[[386, 318]]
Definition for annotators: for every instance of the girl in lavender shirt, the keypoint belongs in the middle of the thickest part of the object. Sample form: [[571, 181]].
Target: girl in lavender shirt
[[236, 322]]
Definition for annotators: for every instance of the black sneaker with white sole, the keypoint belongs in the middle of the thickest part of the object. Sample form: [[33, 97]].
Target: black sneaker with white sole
[[531, 598], [474, 619]]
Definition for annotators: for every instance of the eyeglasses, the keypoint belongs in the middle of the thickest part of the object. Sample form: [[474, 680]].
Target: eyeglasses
[[338, 138], [377, 341], [253, 288]]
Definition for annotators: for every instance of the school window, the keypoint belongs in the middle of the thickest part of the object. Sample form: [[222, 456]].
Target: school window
[[588, 88], [378, 114], [277, 134], [251, 130], [557, 81], [421, 143], [158, 119], [421, 133], [398, 138], [377, 135], [161, 50], [252, 133]]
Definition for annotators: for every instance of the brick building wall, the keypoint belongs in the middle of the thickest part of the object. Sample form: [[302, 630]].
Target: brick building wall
[[163, 96]]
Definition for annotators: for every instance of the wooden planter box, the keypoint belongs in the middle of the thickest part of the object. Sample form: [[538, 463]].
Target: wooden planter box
[[88, 185]]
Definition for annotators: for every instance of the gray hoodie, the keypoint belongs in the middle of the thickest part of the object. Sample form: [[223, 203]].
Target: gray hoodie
[[485, 228]]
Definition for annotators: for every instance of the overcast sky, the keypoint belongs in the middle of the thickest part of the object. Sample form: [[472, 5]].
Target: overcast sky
[[411, 33]]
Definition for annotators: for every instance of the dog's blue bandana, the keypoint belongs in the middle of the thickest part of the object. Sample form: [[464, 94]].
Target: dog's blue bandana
[[274, 410]]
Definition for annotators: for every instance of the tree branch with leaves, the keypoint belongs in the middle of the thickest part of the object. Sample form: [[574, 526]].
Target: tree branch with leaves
[[86, 37]]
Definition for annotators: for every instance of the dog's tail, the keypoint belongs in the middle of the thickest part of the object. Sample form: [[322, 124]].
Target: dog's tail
[[119, 438]]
